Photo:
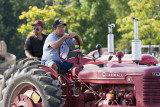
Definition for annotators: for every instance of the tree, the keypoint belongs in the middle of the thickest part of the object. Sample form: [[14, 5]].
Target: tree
[[48, 15], [94, 30], [120, 8], [9, 20], [147, 11], [88, 18]]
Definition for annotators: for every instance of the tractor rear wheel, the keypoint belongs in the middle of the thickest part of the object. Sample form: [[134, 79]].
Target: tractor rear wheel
[[31, 87], [19, 64], [13, 68]]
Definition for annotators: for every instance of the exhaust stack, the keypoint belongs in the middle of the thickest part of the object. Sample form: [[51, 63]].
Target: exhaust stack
[[110, 41], [136, 43]]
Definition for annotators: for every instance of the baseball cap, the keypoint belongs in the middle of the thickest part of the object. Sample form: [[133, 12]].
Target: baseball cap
[[38, 23], [58, 22]]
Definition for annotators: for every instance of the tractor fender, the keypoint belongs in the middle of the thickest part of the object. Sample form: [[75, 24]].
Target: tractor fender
[[48, 69], [148, 59]]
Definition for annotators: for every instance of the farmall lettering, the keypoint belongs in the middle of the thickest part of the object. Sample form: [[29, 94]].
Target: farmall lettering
[[112, 74]]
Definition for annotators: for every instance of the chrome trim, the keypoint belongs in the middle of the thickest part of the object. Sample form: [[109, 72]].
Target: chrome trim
[[111, 78]]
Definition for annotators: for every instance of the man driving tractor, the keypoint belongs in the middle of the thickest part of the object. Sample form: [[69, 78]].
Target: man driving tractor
[[58, 42]]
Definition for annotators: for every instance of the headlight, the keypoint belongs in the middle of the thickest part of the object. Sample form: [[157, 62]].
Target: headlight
[[96, 55], [64, 55]]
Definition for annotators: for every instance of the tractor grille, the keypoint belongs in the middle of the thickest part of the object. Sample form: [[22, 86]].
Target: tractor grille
[[151, 90]]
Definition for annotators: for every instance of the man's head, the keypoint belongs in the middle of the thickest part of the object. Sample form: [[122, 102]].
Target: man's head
[[37, 27], [59, 27]]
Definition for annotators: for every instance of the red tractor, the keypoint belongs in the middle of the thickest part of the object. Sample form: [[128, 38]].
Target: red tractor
[[98, 84]]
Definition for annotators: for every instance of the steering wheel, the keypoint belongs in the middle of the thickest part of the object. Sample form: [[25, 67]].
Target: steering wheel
[[79, 46], [72, 47]]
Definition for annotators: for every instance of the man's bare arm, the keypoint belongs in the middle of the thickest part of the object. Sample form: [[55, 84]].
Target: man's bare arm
[[58, 43], [28, 54], [73, 34]]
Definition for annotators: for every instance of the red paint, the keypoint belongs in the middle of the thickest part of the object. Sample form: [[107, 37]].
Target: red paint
[[119, 55], [23, 101], [148, 59], [48, 69], [122, 84]]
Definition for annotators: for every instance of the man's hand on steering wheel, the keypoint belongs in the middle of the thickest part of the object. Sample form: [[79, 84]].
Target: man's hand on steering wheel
[[76, 37], [71, 35]]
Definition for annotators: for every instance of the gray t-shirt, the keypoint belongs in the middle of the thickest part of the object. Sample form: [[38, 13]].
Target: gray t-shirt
[[53, 54]]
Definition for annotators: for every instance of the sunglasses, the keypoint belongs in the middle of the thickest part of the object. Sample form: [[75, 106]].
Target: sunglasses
[[37, 29]]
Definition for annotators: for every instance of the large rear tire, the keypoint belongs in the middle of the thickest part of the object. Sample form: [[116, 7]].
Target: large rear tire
[[19, 64], [32, 79], [13, 68]]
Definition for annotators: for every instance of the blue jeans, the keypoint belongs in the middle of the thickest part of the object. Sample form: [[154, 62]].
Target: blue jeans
[[62, 65]]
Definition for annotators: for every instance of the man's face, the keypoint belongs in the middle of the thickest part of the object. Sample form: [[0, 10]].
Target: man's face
[[37, 30], [60, 30]]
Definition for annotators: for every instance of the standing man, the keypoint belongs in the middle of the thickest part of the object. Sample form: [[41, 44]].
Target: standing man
[[34, 44], [56, 43]]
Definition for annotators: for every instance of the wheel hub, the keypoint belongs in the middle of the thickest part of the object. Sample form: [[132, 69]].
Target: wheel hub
[[22, 101]]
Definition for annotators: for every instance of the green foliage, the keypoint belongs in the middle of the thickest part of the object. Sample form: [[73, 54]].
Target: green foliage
[[120, 7], [48, 15], [147, 11], [9, 21], [95, 28], [88, 18]]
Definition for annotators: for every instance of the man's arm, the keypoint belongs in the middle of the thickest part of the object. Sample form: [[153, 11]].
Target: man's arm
[[28, 54], [58, 43], [27, 47], [73, 34]]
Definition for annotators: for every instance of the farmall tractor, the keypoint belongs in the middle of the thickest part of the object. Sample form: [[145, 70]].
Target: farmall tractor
[[93, 83]]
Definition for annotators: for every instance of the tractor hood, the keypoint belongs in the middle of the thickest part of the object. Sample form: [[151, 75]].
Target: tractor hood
[[113, 72], [146, 58]]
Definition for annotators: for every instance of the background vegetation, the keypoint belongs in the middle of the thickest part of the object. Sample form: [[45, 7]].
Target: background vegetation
[[89, 18]]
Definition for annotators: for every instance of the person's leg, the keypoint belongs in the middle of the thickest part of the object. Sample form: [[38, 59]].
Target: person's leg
[[67, 65], [53, 65], [50, 64], [56, 64]]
